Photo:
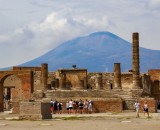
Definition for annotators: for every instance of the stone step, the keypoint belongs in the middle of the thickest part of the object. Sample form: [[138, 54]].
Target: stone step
[[88, 93]]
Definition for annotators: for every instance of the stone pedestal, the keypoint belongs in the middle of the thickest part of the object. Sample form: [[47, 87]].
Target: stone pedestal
[[35, 111]]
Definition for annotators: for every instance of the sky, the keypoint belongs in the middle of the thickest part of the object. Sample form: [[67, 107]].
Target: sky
[[30, 28]]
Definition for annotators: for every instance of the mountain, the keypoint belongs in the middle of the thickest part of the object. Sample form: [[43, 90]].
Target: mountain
[[97, 52]]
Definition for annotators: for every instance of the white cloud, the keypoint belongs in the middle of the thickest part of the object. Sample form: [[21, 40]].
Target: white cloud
[[37, 38]]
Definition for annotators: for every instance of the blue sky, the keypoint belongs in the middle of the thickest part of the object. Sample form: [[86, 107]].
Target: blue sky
[[30, 28]]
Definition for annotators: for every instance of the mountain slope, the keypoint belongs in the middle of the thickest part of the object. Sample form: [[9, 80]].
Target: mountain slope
[[97, 52]]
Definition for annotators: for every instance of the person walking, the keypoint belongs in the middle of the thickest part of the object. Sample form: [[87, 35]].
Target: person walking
[[90, 105], [137, 106], [145, 108]]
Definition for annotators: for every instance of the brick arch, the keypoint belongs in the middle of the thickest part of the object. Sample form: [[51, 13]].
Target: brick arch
[[25, 87]]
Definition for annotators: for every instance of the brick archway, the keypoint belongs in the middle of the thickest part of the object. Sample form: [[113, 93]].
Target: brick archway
[[25, 87]]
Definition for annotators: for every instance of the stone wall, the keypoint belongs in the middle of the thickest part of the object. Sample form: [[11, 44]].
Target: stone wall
[[37, 81], [126, 80], [108, 105], [152, 104], [146, 85], [100, 105], [80, 94], [98, 81], [20, 85]]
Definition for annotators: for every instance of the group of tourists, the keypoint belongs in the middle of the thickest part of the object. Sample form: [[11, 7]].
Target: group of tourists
[[56, 107], [145, 108], [79, 106], [71, 106]]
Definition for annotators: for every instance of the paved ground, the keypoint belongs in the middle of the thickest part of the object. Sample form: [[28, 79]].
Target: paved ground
[[95, 121]]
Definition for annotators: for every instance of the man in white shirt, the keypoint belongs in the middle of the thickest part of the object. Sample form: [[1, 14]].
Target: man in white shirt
[[137, 107]]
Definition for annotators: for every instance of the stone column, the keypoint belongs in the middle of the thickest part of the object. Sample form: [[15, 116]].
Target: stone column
[[117, 76], [135, 60], [62, 80], [44, 71], [98, 81]]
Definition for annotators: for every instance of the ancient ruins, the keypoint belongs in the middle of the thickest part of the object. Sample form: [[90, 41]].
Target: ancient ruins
[[30, 89]]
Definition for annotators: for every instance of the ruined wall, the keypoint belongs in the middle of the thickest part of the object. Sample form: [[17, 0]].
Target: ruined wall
[[126, 79], [18, 68], [151, 104], [146, 84], [14, 83], [108, 105], [100, 104], [107, 81], [155, 79], [97, 81], [72, 79], [37, 82], [52, 81], [77, 94], [21, 83]]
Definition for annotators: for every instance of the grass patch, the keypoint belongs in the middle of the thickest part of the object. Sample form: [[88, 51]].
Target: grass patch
[[114, 113], [70, 118]]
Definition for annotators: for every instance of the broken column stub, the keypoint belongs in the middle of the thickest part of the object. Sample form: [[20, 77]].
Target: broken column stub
[[117, 76], [44, 71]]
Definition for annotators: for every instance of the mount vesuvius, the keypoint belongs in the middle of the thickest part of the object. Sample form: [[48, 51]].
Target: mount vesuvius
[[97, 52]]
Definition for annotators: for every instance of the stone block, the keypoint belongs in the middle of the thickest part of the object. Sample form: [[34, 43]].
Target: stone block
[[35, 111]]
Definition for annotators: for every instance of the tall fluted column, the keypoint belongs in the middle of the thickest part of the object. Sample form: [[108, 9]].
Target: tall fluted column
[[135, 61], [44, 71], [117, 76]]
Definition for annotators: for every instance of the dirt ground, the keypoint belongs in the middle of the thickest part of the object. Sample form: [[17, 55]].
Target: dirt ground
[[83, 123]]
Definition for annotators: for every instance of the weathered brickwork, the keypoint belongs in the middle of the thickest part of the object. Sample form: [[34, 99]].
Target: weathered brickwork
[[108, 105], [37, 81], [155, 80], [99, 104], [151, 104], [20, 90]]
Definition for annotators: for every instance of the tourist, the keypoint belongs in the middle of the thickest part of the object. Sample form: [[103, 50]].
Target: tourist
[[67, 106], [55, 106], [77, 105], [137, 106], [74, 107], [70, 106], [86, 106], [52, 106], [59, 107], [145, 108], [81, 106], [90, 106]]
